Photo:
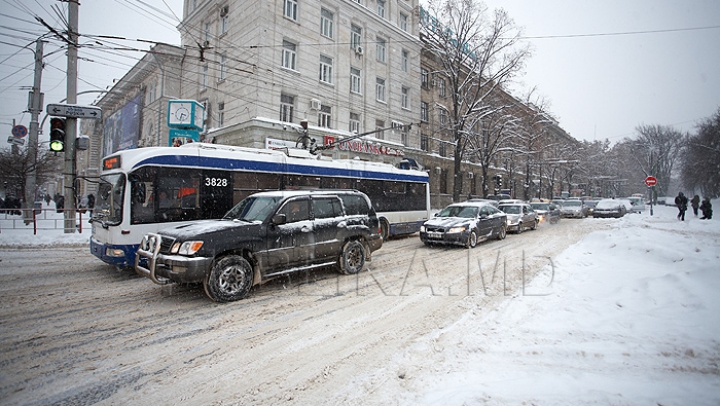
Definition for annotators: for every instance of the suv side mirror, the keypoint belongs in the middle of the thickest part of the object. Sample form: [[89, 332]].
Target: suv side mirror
[[278, 219]]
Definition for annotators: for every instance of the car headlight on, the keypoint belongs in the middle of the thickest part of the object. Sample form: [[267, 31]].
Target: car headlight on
[[186, 248], [422, 228], [457, 229]]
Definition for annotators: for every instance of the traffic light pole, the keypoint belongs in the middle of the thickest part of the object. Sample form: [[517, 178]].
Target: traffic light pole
[[71, 122]]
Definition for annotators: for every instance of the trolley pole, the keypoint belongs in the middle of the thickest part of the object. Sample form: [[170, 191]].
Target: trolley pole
[[35, 107]]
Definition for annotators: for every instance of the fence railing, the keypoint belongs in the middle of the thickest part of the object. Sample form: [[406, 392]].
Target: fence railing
[[41, 219]]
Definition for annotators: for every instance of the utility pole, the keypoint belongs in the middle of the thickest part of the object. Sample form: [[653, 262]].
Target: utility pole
[[71, 122], [35, 104]]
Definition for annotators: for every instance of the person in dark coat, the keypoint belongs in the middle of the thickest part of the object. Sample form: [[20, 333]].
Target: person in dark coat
[[706, 208], [681, 202], [695, 202]]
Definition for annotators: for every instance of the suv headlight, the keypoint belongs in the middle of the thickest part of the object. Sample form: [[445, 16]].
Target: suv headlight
[[186, 248]]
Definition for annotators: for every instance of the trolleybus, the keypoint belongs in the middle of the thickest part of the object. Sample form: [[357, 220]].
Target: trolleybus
[[146, 189]]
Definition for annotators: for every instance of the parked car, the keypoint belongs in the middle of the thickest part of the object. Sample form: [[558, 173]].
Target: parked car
[[547, 212], [265, 235], [574, 208], [519, 216], [464, 224], [638, 204], [609, 208]]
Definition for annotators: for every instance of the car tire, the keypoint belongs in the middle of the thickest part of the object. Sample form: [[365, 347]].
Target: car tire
[[519, 228], [535, 225], [502, 233], [230, 279], [352, 258], [472, 240]]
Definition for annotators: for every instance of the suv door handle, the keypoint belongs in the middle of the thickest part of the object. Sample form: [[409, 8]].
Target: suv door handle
[[342, 224], [306, 229]]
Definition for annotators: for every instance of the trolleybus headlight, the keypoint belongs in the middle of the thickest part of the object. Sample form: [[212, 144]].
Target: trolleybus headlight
[[186, 248]]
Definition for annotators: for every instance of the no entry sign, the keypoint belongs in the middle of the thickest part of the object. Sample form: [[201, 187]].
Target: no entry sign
[[650, 181]]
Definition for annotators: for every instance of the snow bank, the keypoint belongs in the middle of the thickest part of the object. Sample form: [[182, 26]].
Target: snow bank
[[631, 317]]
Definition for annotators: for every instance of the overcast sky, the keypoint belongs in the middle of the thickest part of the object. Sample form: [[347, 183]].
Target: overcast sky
[[605, 66], [665, 70]]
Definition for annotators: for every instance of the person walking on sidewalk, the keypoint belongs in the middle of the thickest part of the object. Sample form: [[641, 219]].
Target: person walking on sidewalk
[[681, 202], [706, 208], [694, 203]]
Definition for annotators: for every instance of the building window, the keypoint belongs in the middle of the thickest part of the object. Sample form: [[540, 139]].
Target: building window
[[355, 81], [221, 114], [354, 123], [424, 142], [424, 78], [379, 125], [381, 8], [443, 116], [326, 23], [204, 78], [287, 105], [442, 151], [326, 65], [355, 36], [380, 49], [424, 112], [325, 116], [403, 21], [441, 87], [224, 24], [404, 63], [223, 66], [289, 55], [380, 89], [290, 9], [405, 98]]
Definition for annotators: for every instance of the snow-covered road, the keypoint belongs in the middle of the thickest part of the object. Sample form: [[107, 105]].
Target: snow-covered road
[[507, 322]]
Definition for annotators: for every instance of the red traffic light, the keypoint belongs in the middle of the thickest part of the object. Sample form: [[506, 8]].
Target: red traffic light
[[57, 134]]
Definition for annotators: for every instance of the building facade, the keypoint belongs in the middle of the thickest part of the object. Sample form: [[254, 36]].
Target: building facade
[[352, 70]]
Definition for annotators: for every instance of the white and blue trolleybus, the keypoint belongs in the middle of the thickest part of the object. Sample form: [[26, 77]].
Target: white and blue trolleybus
[[146, 189]]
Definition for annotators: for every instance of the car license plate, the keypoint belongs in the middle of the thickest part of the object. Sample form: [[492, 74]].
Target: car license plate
[[434, 234]]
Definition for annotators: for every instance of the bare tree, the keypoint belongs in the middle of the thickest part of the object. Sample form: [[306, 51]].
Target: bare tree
[[654, 152], [701, 158], [477, 55], [14, 168]]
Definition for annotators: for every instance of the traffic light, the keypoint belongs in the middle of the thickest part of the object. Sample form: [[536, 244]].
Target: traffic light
[[57, 134]]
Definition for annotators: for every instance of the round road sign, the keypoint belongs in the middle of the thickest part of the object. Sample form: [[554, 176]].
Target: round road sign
[[650, 181], [19, 131]]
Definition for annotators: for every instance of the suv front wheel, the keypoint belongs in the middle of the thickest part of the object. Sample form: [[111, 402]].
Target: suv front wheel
[[229, 279], [352, 259]]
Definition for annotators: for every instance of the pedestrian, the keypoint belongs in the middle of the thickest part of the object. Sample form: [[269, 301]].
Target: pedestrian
[[706, 208], [91, 203], [695, 202], [681, 202]]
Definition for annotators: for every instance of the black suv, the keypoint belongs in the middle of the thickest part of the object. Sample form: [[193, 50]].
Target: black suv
[[265, 235]]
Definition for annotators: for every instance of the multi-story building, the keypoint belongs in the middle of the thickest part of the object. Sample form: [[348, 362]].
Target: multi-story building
[[262, 69], [347, 67]]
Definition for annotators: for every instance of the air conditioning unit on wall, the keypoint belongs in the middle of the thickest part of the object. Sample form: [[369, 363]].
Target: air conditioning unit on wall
[[438, 170], [359, 50], [314, 104]]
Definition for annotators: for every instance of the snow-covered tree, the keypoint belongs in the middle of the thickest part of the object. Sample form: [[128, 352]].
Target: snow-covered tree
[[476, 56], [700, 167]]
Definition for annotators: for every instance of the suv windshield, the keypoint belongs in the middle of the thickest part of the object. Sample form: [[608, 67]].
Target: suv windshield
[[253, 209]]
